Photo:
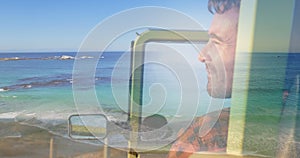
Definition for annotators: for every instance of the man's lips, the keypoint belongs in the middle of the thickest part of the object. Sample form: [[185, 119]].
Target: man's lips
[[208, 72]]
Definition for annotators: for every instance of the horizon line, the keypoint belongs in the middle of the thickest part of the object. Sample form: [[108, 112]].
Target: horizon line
[[63, 51]]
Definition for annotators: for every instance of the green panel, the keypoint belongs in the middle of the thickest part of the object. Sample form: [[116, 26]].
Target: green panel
[[240, 79], [273, 25], [259, 76]]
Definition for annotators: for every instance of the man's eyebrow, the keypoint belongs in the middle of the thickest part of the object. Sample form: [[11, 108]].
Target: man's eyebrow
[[212, 35]]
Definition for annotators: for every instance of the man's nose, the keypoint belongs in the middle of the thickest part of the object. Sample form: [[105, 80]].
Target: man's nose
[[201, 58], [203, 55]]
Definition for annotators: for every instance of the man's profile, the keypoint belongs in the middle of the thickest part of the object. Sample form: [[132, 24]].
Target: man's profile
[[218, 53]]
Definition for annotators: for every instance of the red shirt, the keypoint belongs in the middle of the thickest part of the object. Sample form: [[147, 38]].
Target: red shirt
[[206, 133]]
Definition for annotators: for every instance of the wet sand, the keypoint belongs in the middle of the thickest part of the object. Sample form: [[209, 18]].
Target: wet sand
[[21, 141]]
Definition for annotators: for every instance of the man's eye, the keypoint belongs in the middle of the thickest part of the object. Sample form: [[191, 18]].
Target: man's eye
[[216, 42]]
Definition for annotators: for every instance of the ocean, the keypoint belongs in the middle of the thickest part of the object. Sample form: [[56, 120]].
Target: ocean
[[39, 86], [36, 88]]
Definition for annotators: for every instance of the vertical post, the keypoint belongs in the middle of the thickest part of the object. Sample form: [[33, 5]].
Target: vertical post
[[264, 29], [51, 148], [131, 153], [106, 150], [135, 101], [130, 81]]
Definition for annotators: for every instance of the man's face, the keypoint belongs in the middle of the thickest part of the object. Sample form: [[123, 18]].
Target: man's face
[[219, 53]]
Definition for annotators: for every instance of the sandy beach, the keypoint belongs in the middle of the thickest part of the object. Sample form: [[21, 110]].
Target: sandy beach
[[22, 141]]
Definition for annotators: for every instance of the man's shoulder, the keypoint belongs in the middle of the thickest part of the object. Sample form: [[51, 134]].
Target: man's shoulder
[[222, 115], [212, 130], [216, 121]]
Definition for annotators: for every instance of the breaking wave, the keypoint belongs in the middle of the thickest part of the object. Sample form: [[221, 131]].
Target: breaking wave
[[62, 57]]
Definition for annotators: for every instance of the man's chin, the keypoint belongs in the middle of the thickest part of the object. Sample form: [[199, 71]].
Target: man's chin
[[215, 93]]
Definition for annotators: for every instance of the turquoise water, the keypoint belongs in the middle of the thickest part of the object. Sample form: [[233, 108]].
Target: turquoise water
[[40, 86]]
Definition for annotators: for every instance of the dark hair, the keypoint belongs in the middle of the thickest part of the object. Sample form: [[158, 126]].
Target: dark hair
[[221, 6]]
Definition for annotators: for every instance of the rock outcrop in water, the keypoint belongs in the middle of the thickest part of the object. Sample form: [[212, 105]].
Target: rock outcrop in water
[[63, 57]]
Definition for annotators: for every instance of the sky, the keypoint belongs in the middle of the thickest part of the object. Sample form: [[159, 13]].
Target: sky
[[62, 25]]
